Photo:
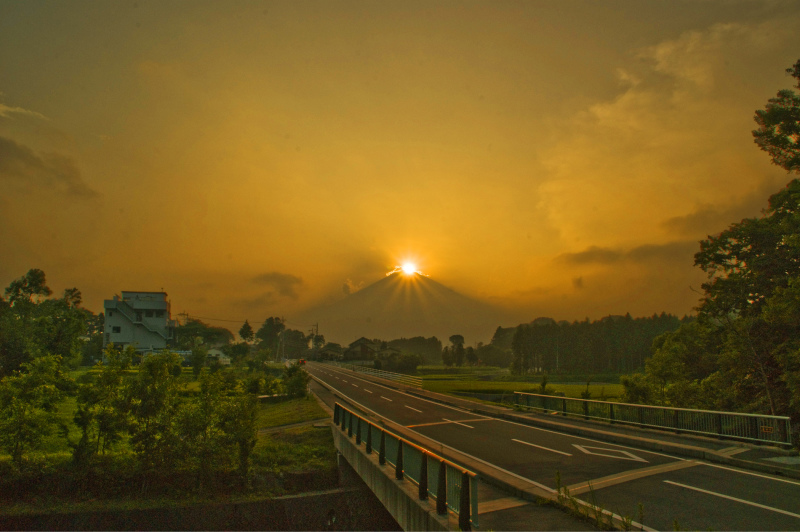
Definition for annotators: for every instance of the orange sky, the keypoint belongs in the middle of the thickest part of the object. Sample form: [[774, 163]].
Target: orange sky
[[252, 158]]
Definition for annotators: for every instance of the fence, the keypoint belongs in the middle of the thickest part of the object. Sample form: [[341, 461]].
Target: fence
[[408, 380], [452, 486], [725, 425]]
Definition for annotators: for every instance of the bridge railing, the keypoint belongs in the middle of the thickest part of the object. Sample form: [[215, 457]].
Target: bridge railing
[[725, 425], [408, 380], [453, 487]]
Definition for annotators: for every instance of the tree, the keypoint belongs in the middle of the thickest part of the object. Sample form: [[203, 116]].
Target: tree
[[295, 380], [29, 401], [269, 333], [246, 332], [32, 284], [779, 126]]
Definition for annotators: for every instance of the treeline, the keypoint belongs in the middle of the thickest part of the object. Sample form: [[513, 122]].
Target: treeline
[[614, 344]]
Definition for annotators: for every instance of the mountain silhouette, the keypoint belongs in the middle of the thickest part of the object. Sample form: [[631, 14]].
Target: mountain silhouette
[[405, 306]]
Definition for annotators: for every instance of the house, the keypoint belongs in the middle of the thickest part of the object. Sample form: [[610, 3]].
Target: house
[[361, 349], [140, 319]]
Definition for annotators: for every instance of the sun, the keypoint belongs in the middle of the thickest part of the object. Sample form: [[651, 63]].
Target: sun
[[409, 268]]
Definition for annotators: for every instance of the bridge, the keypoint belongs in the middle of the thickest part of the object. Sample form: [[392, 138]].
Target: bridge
[[514, 470]]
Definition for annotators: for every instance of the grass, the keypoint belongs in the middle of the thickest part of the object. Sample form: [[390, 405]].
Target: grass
[[288, 412]]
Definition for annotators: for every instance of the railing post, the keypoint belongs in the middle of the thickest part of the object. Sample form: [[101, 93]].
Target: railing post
[[528, 402], [463, 503], [350, 426], [676, 420], [585, 409], [358, 432], [398, 464], [564, 407], [640, 411], [336, 414], [382, 448], [545, 404], [342, 418], [718, 422], [611, 412], [423, 477], [441, 490], [369, 438]]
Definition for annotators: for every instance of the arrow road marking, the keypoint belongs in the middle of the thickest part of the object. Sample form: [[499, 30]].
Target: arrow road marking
[[540, 447], [457, 423], [628, 456]]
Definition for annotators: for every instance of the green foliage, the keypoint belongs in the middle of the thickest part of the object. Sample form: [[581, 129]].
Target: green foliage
[[28, 405], [246, 332], [269, 332], [779, 126], [187, 335], [295, 380]]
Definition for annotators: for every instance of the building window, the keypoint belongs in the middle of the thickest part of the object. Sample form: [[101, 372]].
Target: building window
[[110, 313], [116, 329], [148, 313], [138, 316], [159, 314]]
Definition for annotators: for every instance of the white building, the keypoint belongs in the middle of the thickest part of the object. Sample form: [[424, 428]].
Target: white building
[[141, 319]]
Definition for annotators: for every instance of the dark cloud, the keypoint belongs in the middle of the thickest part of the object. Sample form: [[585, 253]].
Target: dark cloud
[[20, 163], [682, 251], [593, 255], [709, 219], [577, 282], [284, 284]]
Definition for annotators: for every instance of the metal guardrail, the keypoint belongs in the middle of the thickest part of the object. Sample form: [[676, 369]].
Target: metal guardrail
[[408, 380], [452, 486], [724, 425]]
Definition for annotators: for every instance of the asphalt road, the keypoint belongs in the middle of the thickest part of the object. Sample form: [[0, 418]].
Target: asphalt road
[[672, 490]]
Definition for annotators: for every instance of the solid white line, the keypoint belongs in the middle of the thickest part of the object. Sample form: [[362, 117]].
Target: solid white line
[[382, 397], [540, 447], [414, 409], [794, 482], [734, 499], [457, 423]]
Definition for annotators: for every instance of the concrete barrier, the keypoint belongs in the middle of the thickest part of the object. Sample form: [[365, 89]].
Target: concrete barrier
[[399, 497]]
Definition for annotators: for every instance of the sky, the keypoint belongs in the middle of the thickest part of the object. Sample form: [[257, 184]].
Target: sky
[[255, 159]]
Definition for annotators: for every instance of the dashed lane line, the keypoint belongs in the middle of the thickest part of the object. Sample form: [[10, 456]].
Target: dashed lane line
[[382, 397], [368, 391], [541, 447], [723, 496], [446, 422], [412, 408]]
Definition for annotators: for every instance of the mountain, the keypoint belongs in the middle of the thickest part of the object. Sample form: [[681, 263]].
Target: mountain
[[401, 305]]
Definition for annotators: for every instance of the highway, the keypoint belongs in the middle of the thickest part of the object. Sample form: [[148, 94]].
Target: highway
[[672, 490]]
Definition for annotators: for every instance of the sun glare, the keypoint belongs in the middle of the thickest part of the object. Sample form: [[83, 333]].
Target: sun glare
[[409, 268]]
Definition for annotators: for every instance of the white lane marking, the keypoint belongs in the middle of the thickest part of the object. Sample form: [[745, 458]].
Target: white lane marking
[[354, 384], [457, 423], [418, 398], [540, 447], [628, 456], [382, 397], [564, 434], [368, 391], [414, 409], [778, 510], [753, 474]]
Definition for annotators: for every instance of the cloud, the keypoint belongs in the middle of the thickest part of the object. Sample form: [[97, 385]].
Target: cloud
[[681, 251], [20, 163], [577, 282], [6, 111], [284, 284], [713, 218], [350, 287]]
